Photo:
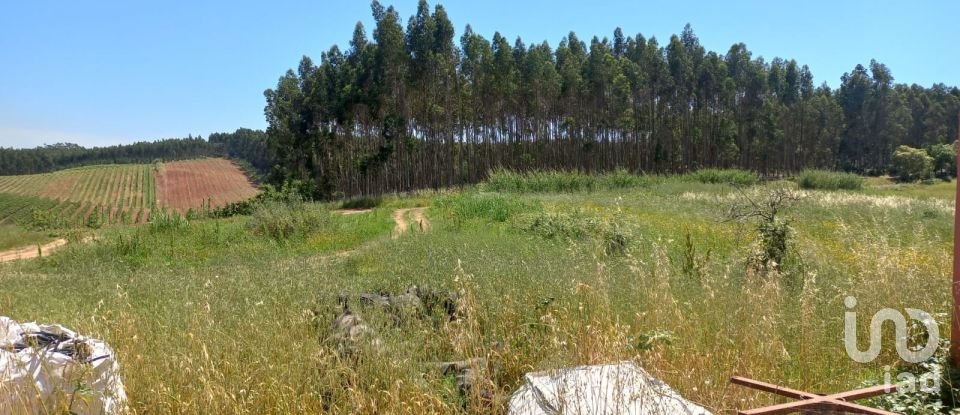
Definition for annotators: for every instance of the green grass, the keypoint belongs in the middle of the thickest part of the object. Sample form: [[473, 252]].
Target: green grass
[[213, 317], [12, 237], [829, 180]]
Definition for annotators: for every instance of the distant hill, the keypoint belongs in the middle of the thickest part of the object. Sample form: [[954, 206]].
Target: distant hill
[[244, 145]]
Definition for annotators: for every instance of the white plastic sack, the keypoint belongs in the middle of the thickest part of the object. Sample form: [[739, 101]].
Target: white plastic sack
[[621, 388], [50, 369]]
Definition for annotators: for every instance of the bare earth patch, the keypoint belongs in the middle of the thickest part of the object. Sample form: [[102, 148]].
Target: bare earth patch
[[417, 216]]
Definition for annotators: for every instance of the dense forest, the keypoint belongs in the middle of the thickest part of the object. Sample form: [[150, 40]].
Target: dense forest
[[412, 109], [242, 145]]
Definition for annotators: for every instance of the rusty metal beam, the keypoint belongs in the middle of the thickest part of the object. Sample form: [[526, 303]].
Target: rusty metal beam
[[838, 402]]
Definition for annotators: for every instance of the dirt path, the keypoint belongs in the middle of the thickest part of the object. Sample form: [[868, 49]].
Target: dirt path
[[349, 212], [29, 252], [420, 219], [32, 251], [417, 216]]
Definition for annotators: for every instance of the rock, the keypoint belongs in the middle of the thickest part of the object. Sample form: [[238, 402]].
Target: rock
[[415, 302], [621, 388], [50, 366], [374, 300], [350, 332]]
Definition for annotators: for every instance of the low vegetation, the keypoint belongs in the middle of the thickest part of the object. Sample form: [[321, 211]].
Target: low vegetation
[[724, 176], [829, 180], [562, 181]]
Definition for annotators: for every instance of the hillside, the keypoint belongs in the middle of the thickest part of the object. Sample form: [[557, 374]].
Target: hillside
[[124, 193]]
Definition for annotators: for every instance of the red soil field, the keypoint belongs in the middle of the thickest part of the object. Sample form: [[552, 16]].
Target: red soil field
[[196, 184]]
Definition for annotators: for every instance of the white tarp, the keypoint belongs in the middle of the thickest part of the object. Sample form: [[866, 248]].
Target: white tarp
[[621, 388], [50, 369]]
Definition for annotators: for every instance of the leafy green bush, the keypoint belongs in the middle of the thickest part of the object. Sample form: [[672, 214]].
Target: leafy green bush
[[461, 207], [562, 181], [944, 159], [912, 164], [723, 176], [283, 221], [829, 180]]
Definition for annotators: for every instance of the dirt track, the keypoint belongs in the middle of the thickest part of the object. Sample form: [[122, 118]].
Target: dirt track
[[417, 215], [32, 251]]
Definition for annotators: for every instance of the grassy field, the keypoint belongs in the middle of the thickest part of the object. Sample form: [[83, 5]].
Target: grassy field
[[15, 237], [124, 193], [227, 316]]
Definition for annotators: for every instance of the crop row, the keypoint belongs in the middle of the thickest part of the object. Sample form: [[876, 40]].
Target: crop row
[[18, 209], [113, 186]]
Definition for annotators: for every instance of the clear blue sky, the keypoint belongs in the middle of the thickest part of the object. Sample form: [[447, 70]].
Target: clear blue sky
[[108, 72]]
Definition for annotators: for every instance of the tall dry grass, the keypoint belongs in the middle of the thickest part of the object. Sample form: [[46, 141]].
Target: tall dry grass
[[214, 318]]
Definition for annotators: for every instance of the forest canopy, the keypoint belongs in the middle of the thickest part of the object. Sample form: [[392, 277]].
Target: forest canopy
[[413, 107]]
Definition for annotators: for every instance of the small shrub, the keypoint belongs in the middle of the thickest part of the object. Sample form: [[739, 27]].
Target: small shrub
[[283, 221], [96, 219], [829, 180], [723, 176], [772, 228]]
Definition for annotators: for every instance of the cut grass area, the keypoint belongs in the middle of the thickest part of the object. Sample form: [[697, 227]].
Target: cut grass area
[[211, 317], [12, 237]]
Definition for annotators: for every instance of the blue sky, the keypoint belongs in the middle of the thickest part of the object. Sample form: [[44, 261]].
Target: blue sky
[[109, 72]]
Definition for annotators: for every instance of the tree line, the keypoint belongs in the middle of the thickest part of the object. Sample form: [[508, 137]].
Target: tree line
[[249, 146], [412, 109]]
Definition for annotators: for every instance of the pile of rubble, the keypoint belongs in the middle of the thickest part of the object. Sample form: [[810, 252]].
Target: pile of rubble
[[621, 388]]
